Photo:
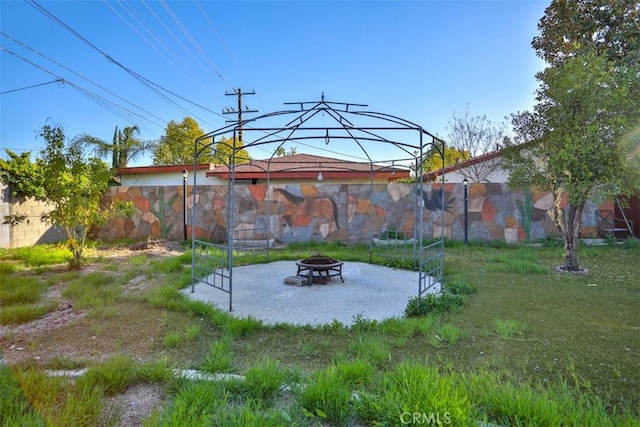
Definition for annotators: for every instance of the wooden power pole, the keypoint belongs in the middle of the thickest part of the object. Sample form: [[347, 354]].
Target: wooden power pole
[[239, 111]]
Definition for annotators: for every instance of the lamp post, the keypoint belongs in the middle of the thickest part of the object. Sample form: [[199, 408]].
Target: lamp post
[[185, 174], [466, 211]]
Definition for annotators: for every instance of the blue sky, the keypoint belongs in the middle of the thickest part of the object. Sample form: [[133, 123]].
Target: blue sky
[[420, 60]]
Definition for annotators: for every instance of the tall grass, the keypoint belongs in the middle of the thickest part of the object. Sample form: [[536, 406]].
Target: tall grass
[[327, 397], [507, 403], [375, 373], [95, 290], [410, 389], [38, 255], [16, 289], [264, 380], [14, 405], [21, 299], [23, 313], [219, 357]]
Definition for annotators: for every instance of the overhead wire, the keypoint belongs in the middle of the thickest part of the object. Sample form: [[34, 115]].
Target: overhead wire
[[234, 60], [79, 75], [174, 36], [105, 103], [157, 43], [154, 87], [29, 87], [193, 41], [111, 106]]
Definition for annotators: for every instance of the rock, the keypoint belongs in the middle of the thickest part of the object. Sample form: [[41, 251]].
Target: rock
[[296, 281]]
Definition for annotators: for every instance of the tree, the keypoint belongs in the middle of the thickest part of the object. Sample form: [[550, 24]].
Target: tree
[[176, 145], [473, 137], [74, 186], [282, 152], [452, 155], [124, 147], [576, 140], [225, 148], [23, 176], [610, 27]]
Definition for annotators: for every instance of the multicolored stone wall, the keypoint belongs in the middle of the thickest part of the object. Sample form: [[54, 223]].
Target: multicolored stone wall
[[337, 212]]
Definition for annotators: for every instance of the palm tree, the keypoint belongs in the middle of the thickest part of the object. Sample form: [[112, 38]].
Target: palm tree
[[125, 146]]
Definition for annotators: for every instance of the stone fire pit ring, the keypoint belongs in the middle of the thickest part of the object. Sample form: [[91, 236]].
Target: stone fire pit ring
[[321, 264]]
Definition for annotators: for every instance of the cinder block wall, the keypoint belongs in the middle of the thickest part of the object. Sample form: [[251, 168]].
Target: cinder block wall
[[29, 232]]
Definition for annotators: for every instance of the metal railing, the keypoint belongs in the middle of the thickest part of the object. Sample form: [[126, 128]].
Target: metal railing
[[431, 267], [210, 265]]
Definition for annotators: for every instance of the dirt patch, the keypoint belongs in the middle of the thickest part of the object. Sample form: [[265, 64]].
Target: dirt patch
[[130, 328], [53, 320], [134, 405]]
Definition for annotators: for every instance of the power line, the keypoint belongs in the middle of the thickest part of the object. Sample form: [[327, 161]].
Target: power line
[[79, 75], [30, 87], [172, 60], [154, 87], [109, 105], [191, 38]]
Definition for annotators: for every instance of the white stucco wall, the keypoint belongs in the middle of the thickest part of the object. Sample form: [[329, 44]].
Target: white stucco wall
[[498, 176], [167, 179]]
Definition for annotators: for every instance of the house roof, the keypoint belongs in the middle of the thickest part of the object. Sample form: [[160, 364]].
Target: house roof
[[434, 174], [307, 166], [138, 170]]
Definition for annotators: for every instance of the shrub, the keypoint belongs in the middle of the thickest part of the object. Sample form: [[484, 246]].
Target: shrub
[[432, 303], [460, 287]]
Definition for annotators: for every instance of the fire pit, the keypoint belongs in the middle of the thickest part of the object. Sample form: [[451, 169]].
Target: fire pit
[[320, 264]]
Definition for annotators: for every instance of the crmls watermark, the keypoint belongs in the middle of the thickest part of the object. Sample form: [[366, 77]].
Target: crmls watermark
[[425, 418]]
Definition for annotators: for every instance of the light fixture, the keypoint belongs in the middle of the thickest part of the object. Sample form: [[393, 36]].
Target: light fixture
[[320, 177], [185, 174], [466, 211], [326, 137]]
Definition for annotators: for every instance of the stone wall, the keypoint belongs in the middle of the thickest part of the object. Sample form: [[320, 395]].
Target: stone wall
[[336, 212]]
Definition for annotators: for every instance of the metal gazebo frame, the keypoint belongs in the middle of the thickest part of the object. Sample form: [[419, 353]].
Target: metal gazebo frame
[[212, 263]]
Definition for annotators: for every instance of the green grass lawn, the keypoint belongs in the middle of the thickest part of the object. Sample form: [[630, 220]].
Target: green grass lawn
[[529, 347]]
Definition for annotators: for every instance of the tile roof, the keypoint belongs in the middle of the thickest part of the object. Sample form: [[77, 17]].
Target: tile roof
[[299, 163]]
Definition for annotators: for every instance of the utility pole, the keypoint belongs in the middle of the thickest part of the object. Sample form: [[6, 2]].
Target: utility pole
[[238, 92]]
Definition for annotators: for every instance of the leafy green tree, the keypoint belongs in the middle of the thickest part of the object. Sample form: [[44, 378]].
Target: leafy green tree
[[281, 151], [176, 145], [610, 27], [225, 148], [74, 186], [124, 147], [23, 176], [577, 140], [452, 155]]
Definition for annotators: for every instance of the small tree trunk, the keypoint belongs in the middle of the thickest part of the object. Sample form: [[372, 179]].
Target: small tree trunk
[[568, 221], [572, 216]]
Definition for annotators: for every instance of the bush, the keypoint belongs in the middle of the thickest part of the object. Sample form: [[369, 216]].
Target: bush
[[443, 303], [460, 287]]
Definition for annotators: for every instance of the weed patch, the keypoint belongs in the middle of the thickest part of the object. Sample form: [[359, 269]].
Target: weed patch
[[23, 313], [432, 303], [19, 290]]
